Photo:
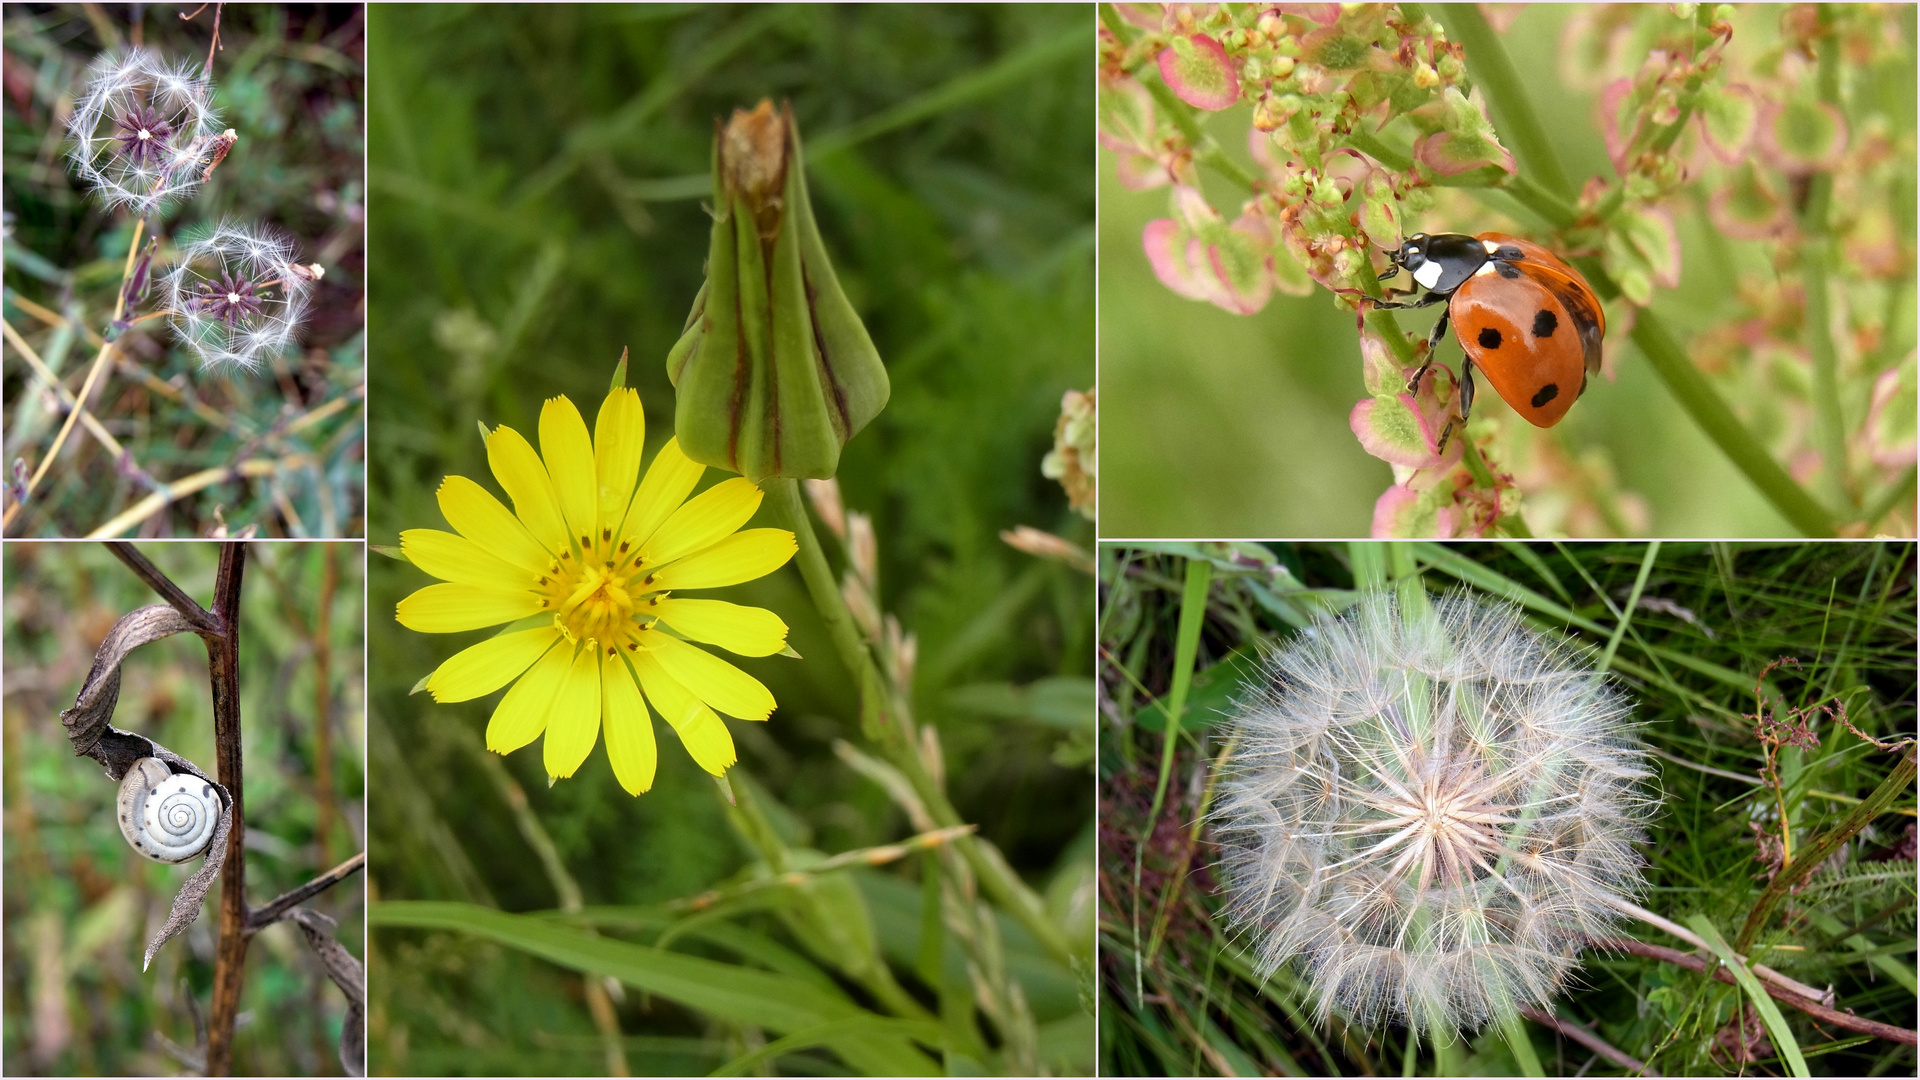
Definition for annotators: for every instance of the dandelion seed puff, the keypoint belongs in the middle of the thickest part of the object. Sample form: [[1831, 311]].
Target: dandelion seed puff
[[236, 296], [143, 131], [1429, 814]]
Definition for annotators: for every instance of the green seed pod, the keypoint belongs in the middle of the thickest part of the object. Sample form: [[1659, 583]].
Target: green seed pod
[[774, 371]]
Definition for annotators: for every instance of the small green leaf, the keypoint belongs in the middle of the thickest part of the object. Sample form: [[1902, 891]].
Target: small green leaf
[[390, 551]]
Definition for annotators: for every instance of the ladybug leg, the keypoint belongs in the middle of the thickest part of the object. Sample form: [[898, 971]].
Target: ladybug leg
[[1466, 403], [1433, 342]]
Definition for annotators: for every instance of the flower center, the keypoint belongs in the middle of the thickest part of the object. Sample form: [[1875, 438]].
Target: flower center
[[145, 134], [233, 298], [603, 595]]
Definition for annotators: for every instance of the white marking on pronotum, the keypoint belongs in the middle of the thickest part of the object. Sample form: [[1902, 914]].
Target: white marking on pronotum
[[1490, 246], [1428, 275], [1486, 268]]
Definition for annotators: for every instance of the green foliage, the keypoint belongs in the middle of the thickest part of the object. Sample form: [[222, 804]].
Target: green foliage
[[1179, 997], [81, 902], [538, 185], [289, 81]]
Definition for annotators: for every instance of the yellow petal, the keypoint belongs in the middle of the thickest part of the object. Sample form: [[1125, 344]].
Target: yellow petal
[[668, 480], [741, 557], [629, 729], [710, 678], [619, 438], [573, 723], [749, 631], [703, 734], [569, 456], [522, 714], [456, 558], [525, 481], [449, 609], [704, 521], [475, 514], [481, 669]]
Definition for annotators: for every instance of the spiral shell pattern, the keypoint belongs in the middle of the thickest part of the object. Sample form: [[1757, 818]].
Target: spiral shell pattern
[[167, 816]]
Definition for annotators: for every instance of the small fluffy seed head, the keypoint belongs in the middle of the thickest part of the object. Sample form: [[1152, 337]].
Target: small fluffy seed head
[[1429, 813], [236, 295], [143, 130]]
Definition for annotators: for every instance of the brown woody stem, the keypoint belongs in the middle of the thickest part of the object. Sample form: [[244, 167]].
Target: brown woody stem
[[230, 949], [1811, 1008], [262, 917]]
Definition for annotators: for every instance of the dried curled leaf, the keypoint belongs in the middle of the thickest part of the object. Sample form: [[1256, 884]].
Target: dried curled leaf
[[349, 975], [89, 729]]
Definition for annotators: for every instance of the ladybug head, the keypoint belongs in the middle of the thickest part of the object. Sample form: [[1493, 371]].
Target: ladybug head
[[1411, 253]]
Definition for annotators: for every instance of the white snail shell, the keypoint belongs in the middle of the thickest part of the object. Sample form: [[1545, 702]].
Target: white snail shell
[[166, 816]]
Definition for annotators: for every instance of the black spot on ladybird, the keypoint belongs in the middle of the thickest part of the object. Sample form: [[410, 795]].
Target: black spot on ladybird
[[1547, 393], [1506, 269], [1489, 338], [1510, 252], [1545, 323]]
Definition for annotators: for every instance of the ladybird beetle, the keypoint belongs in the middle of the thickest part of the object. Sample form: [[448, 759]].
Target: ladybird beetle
[[1530, 321]]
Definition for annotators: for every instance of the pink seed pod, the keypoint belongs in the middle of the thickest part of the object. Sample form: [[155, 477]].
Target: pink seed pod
[[143, 131], [236, 295], [1429, 812]]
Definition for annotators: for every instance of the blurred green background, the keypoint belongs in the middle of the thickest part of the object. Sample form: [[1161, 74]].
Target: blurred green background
[[538, 186], [289, 80], [80, 903], [1214, 424]]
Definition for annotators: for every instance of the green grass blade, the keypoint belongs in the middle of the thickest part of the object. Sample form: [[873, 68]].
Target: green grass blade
[[1633, 601], [1783, 1041], [828, 1034], [725, 991]]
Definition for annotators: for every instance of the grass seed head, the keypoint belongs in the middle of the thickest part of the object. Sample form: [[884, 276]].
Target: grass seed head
[[1428, 812]]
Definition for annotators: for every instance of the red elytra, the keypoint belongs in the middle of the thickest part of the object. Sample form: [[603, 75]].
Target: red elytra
[[1524, 317]]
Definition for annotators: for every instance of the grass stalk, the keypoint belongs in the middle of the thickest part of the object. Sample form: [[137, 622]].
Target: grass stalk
[[1512, 105]]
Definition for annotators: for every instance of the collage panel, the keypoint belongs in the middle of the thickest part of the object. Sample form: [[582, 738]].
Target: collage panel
[[184, 257], [732, 694], [1670, 247], [1478, 809], [143, 685]]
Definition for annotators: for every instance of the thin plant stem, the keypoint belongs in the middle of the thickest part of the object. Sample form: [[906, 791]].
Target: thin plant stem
[[86, 388], [169, 493], [1588, 1039], [46, 375], [1193, 618], [1714, 417], [204, 622], [1816, 251], [1895, 785], [1633, 601], [230, 949], [274, 910], [1507, 96], [1792, 986], [1715, 969], [888, 721]]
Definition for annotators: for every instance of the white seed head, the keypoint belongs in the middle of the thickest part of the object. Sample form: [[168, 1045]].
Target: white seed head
[[1429, 814], [143, 130], [236, 296]]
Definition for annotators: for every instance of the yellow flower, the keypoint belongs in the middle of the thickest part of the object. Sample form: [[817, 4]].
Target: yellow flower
[[588, 567]]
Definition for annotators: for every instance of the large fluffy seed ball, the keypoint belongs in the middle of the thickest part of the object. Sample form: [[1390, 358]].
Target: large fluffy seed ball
[[1430, 813]]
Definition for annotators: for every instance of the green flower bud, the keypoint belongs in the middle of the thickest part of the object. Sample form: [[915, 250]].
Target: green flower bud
[[774, 371]]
